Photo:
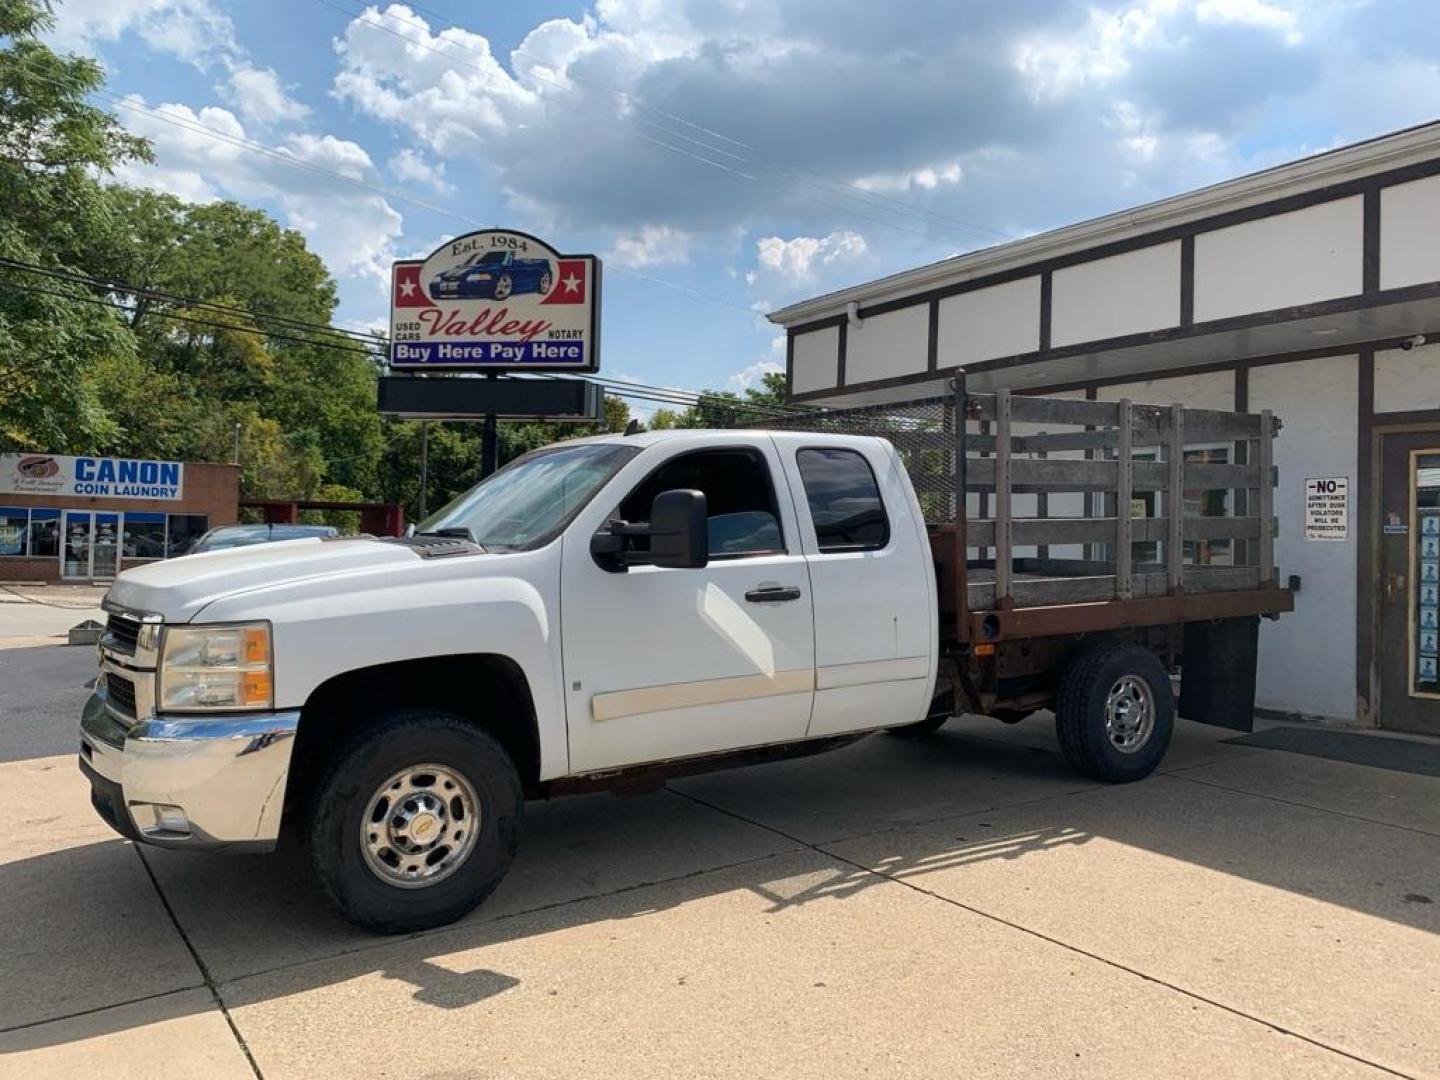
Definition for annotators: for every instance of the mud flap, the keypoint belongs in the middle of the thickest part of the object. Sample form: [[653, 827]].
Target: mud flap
[[1217, 672]]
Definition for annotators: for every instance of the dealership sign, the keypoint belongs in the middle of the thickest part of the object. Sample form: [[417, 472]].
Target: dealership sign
[[100, 477], [497, 300]]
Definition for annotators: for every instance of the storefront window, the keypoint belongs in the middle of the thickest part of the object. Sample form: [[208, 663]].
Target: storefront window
[[184, 530], [144, 536], [44, 534], [14, 528]]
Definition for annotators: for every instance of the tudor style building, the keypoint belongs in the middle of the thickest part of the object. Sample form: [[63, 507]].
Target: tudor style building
[[1312, 290]]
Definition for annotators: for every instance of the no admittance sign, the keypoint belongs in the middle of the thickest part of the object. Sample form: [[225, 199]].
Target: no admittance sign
[[1327, 508]]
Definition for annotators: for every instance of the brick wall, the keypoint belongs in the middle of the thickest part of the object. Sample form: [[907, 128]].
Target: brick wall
[[212, 490]]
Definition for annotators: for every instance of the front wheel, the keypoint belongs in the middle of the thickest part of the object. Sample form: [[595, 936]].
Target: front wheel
[[415, 822], [503, 286], [1115, 712]]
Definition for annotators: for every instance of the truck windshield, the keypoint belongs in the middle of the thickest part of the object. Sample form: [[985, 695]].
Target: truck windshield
[[525, 504]]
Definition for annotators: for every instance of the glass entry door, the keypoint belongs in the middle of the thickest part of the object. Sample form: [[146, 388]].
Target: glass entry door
[[91, 545], [1407, 651]]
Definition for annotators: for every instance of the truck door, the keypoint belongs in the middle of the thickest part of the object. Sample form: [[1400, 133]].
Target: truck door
[[665, 663], [876, 629]]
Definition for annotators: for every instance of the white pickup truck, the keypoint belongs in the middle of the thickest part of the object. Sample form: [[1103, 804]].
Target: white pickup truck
[[599, 613]]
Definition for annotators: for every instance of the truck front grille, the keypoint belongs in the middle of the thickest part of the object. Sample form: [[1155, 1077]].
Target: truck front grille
[[122, 634], [121, 692]]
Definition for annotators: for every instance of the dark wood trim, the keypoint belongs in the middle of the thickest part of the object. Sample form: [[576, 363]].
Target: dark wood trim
[[1406, 419], [1343, 305], [1242, 385], [1370, 243], [1299, 201], [1187, 281], [1091, 393], [932, 339], [840, 349], [789, 364], [1047, 295], [1367, 520]]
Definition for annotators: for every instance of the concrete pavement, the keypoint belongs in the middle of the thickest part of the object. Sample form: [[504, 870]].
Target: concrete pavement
[[961, 906]]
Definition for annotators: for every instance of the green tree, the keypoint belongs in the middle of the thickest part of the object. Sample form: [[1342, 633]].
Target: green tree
[[53, 144]]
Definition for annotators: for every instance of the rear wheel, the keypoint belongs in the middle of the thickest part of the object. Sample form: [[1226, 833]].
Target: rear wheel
[[1115, 712], [544, 283], [414, 823]]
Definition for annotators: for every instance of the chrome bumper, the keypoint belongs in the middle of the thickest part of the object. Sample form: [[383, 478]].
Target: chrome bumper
[[189, 782]]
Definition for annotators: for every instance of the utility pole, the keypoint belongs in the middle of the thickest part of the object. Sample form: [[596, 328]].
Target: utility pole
[[424, 465], [489, 442]]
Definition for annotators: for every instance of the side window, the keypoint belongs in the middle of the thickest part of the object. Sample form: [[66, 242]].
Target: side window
[[744, 517], [844, 500]]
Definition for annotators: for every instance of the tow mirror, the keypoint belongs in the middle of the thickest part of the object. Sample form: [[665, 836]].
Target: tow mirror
[[678, 531], [679, 534]]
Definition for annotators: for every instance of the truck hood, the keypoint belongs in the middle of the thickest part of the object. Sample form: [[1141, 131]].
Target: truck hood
[[179, 589]]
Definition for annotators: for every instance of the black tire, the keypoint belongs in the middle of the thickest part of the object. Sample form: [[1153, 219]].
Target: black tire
[[402, 740], [1081, 713], [920, 728]]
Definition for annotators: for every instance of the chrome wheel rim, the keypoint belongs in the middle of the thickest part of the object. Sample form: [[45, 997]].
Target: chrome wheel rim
[[502, 288], [420, 826], [1129, 714]]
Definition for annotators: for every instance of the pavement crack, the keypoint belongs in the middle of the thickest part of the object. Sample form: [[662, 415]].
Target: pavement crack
[[204, 969], [819, 849], [1302, 805], [98, 1009]]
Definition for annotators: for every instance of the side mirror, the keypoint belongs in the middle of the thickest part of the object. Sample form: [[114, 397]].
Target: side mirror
[[679, 533]]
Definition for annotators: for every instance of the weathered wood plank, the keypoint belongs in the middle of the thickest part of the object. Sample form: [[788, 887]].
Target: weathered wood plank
[[1123, 492], [1267, 498], [1034, 532], [1040, 591], [1004, 540], [1043, 410], [1175, 499]]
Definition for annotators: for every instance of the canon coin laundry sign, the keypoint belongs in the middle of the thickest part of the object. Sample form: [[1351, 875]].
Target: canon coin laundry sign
[[498, 300]]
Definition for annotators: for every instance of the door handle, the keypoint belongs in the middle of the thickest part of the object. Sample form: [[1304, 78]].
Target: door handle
[[772, 594], [1394, 585]]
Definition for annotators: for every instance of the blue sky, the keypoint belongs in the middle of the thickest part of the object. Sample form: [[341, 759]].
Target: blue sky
[[726, 157]]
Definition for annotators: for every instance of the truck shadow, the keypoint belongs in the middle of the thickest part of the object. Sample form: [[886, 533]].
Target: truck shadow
[[794, 834]]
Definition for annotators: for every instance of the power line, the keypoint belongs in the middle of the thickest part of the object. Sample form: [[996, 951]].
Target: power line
[[617, 388], [208, 131], [489, 77], [362, 337], [853, 190]]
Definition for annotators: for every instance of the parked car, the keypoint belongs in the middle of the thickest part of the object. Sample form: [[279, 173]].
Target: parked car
[[495, 275], [233, 536], [609, 612]]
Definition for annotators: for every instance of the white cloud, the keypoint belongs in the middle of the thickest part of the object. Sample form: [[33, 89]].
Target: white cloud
[[795, 260], [261, 97], [652, 245], [413, 167], [193, 30], [927, 178], [353, 230]]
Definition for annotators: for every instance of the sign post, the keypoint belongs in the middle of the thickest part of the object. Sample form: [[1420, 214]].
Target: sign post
[[494, 301]]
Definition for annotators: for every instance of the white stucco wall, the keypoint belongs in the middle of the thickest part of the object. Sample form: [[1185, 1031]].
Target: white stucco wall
[[1410, 233], [1407, 379], [816, 359], [1209, 390], [884, 346], [1307, 658], [1122, 294], [1003, 320], [1281, 261]]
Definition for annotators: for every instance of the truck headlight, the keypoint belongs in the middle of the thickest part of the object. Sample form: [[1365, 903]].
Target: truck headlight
[[215, 667]]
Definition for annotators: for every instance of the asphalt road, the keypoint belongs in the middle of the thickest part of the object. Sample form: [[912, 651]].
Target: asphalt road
[[41, 692]]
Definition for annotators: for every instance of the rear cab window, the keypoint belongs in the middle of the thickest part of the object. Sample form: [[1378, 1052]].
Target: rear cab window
[[844, 500]]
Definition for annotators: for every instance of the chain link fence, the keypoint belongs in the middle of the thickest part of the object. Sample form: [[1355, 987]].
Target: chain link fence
[[922, 430]]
